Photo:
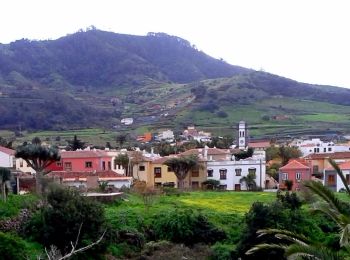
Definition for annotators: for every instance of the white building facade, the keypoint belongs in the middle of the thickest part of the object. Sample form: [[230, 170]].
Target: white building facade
[[317, 146], [230, 172]]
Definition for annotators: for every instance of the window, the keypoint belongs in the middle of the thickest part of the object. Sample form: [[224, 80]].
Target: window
[[252, 171], [88, 164], [195, 173], [238, 171], [347, 176], [324, 150], [20, 163], [315, 169], [103, 165], [298, 176], [59, 164], [142, 168], [68, 166], [331, 180], [284, 176], [169, 169], [210, 172], [329, 149], [158, 172], [223, 174], [109, 165]]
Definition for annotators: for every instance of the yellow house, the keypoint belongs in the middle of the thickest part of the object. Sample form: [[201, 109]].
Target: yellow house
[[161, 173]]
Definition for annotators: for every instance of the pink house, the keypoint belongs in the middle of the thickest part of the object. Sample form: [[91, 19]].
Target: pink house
[[86, 161], [296, 171]]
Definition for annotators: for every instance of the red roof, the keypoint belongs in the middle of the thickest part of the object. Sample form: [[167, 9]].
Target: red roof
[[102, 175], [83, 154], [262, 144], [342, 166], [336, 155], [294, 165], [7, 150], [211, 151]]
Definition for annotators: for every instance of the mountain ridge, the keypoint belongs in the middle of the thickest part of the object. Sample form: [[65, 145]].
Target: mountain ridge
[[94, 78]]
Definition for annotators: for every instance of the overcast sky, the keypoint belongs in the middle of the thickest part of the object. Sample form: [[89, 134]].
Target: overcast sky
[[306, 40]]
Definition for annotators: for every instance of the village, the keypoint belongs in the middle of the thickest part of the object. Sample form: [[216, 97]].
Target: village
[[87, 169]]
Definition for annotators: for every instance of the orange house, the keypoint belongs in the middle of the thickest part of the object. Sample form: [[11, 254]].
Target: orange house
[[319, 162]]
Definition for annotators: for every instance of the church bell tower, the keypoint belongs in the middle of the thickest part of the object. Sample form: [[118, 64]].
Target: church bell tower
[[242, 135]]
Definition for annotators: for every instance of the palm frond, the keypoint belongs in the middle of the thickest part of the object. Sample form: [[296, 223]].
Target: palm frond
[[340, 174], [326, 194], [265, 246], [295, 251], [284, 234]]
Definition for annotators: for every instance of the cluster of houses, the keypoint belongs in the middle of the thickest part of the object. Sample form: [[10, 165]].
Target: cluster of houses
[[89, 168]]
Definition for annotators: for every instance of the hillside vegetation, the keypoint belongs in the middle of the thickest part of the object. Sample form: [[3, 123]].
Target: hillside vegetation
[[94, 78]]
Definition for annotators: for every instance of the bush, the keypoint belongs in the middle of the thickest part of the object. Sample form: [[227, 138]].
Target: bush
[[211, 184], [223, 252], [222, 114], [59, 221], [12, 247], [187, 227]]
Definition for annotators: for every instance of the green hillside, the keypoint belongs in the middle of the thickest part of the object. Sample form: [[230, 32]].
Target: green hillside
[[95, 78]]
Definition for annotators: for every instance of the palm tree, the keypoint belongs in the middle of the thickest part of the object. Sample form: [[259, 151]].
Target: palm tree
[[5, 177], [295, 246], [38, 157], [330, 205], [249, 180], [181, 166], [123, 160]]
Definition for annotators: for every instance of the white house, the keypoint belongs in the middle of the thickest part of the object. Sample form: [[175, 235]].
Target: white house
[[127, 121], [317, 146], [230, 172], [166, 135], [7, 157], [21, 165]]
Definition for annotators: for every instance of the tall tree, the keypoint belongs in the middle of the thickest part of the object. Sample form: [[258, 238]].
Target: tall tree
[[38, 157], [5, 177], [181, 166], [75, 144], [123, 160]]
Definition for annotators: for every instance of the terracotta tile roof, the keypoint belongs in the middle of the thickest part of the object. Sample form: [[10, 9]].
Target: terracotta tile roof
[[211, 151], [161, 160], [336, 155], [7, 150], [342, 166], [102, 175], [295, 165], [83, 154], [262, 144]]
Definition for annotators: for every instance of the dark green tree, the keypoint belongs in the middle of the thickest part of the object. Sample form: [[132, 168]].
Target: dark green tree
[[249, 181], [75, 144], [123, 160], [286, 153], [5, 177], [121, 139], [66, 216], [38, 157], [181, 166]]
